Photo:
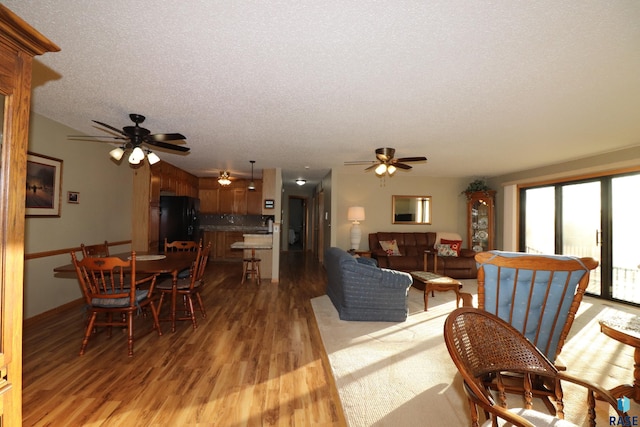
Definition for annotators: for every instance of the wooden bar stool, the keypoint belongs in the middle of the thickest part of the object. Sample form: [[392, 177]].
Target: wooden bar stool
[[251, 266]]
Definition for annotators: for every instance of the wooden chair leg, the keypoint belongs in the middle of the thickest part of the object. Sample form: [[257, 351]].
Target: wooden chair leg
[[245, 264], [130, 333], [87, 332], [200, 303], [194, 322], [156, 320]]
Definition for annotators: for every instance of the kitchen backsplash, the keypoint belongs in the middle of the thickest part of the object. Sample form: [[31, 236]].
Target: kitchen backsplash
[[236, 220]]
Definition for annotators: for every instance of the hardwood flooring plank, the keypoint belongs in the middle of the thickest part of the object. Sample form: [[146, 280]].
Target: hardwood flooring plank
[[256, 360]]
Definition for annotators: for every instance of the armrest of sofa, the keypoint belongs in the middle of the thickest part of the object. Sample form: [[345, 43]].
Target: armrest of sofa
[[467, 253], [396, 279], [355, 274]]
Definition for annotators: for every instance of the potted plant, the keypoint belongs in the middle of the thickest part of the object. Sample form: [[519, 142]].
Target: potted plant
[[477, 185]]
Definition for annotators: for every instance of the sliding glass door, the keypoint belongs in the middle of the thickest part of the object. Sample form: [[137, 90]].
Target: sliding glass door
[[581, 225], [589, 218], [625, 280]]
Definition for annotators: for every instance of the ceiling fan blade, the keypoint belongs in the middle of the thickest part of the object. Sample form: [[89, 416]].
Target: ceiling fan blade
[[95, 136], [412, 159], [359, 162], [167, 146], [110, 127], [159, 137], [402, 166], [373, 166]]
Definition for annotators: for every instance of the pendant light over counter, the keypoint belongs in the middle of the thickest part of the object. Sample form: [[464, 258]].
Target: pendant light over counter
[[252, 185]]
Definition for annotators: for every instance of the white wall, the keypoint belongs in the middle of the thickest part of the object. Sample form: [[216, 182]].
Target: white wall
[[104, 212]]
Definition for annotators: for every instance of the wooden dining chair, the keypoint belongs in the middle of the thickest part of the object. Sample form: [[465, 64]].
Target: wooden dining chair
[[181, 245], [98, 250], [538, 295], [481, 344], [188, 288], [108, 290]]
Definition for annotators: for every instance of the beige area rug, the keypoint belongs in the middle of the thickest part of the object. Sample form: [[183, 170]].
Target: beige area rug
[[400, 374]]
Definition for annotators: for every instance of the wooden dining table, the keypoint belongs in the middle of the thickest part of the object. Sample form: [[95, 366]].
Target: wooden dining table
[[170, 263]]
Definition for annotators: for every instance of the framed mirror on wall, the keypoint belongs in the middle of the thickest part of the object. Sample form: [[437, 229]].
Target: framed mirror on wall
[[411, 210]]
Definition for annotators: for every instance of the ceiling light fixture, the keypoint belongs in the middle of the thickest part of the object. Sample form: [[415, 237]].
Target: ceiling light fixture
[[301, 181], [224, 178], [152, 157], [252, 185], [383, 168], [137, 155], [117, 153]]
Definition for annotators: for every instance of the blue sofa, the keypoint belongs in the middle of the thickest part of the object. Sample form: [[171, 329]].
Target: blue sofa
[[362, 291]]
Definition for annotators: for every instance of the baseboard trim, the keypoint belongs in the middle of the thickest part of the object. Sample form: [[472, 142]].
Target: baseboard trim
[[53, 312]]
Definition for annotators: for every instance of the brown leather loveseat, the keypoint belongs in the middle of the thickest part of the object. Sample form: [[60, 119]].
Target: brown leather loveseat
[[412, 247]]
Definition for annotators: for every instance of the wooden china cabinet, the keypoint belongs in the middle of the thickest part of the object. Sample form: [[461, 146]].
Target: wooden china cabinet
[[19, 43], [480, 220]]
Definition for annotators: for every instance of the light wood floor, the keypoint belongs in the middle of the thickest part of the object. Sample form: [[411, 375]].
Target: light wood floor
[[256, 360]]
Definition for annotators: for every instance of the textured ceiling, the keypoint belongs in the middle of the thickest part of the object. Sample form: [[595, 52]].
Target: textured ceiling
[[480, 88]]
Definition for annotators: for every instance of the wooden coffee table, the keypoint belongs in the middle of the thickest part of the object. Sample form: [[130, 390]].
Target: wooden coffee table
[[435, 282], [625, 327]]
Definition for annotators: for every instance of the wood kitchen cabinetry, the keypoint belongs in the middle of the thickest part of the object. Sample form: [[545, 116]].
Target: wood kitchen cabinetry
[[233, 199], [148, 183], [221, 244]]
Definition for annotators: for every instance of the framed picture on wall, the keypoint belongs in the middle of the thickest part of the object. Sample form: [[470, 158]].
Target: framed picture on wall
[[44, 183], [73, 197]]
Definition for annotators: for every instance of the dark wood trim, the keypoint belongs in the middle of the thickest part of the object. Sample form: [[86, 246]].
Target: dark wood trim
[[53, 313], [67, 250]]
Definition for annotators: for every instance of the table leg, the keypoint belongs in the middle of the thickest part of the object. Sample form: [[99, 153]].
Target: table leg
[[629, 390], [426, 296]]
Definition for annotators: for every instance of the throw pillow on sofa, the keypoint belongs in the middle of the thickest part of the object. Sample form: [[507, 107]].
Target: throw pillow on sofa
[[456, 245], [446, 250], [390, 247]]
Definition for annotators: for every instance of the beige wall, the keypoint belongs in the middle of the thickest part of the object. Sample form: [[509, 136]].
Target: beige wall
[[365, 189], [104, 211]]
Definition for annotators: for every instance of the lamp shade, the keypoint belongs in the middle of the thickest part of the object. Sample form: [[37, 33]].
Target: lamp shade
[[355, 213], [152, 158], [381, 169], [137, 155], [117, 153]]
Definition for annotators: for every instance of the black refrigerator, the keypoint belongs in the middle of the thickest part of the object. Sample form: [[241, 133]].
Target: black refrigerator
[[179, 219]]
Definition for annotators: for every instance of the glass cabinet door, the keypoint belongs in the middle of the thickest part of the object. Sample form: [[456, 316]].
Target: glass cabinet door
[[480, 233]]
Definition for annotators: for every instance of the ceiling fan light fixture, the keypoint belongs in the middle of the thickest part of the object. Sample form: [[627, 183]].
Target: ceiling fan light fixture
[[252, 185], [391, 169], [137, 155], [301, 181], [117, 153], [152, 157], [381, 169], [224, 178]]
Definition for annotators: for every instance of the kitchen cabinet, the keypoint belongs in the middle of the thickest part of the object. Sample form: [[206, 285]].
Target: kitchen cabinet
[[234, 199], [480, 220], [221, 244], [148, 183]]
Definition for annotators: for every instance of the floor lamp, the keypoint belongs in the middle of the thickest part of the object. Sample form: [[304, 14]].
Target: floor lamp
[[355, 214]]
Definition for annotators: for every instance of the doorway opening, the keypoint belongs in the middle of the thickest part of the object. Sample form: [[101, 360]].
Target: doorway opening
[[297, 238]]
